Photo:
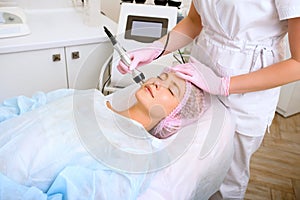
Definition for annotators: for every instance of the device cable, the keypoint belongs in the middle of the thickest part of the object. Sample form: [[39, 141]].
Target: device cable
[[165, 47]]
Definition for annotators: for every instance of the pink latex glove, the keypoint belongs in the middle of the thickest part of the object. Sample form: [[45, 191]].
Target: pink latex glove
[[203, 77], [141, 57]]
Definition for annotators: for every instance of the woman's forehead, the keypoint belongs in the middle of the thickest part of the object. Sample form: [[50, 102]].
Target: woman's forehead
[[176, 79]]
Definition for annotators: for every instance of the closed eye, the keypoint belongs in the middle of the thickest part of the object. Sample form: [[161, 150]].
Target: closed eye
[[171, 92]]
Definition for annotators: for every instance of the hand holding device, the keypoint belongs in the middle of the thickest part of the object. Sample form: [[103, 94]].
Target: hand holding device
[[141, 57], [138, 76]]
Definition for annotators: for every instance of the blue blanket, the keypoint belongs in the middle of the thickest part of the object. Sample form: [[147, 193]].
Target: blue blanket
[[38, 138], [18, 105], [76, 182]]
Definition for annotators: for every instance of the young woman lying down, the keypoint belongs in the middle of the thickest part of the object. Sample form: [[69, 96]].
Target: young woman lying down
[[49, 152]]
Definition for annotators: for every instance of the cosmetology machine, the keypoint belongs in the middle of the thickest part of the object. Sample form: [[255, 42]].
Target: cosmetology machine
[[138, 26], [12, 22]]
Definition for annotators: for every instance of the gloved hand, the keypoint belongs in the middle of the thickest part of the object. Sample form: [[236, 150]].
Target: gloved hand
[[141, 57], [203, 77]]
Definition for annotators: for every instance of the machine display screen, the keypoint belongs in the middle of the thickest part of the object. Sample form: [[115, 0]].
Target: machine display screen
[[145, 29], [141, 29]]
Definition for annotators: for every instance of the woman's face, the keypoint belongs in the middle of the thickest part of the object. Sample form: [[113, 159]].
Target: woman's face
[[160, 95]]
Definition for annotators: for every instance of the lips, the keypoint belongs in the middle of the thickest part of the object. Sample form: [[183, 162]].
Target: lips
[[148, 88]]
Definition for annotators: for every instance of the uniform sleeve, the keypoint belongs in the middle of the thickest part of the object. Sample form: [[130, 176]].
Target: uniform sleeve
[[288, 8]]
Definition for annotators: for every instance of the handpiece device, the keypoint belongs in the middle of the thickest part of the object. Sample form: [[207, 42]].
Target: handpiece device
[[138, 76]]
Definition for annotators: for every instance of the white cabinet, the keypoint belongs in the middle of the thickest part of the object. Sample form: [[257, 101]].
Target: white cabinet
[[84, 63], [289, 101], [24, 73], [61, 51]]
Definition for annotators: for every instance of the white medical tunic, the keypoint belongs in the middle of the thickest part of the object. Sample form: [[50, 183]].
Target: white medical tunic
[[239, 37]]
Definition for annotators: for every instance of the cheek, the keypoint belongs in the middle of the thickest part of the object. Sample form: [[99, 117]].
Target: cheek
[[168, 103], [159, 107]]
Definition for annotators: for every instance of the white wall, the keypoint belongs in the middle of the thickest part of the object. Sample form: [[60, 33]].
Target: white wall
[[110, 7], [44, 4]]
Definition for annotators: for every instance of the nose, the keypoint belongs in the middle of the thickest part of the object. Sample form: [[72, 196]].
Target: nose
[[157, 84]]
